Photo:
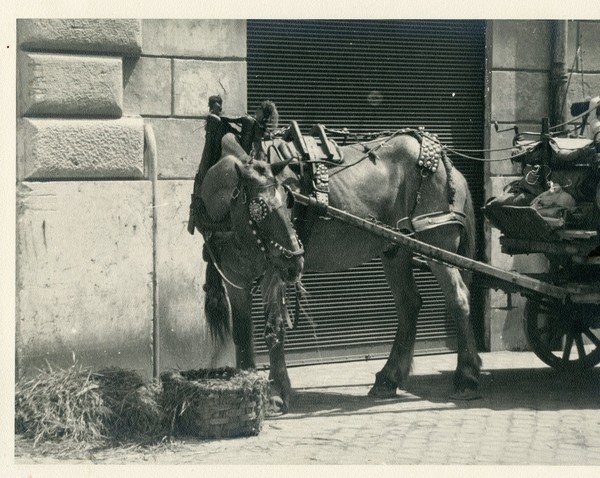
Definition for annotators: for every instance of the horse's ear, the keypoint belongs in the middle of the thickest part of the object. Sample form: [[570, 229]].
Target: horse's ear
[[277, 168]]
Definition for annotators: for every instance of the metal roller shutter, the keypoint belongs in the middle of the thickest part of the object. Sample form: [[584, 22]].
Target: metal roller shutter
[[368, 76]]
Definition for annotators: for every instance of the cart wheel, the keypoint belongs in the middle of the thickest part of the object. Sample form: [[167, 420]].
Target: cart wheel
[[553, 330]]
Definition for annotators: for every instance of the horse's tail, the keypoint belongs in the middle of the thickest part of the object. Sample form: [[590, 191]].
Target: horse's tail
[[215, 300], [467, 244]]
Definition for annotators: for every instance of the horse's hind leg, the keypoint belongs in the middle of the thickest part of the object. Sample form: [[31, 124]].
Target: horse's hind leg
[[400, 278], [456, 293]]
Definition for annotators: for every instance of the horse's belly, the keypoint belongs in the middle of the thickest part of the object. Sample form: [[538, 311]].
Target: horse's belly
[[333, 246]]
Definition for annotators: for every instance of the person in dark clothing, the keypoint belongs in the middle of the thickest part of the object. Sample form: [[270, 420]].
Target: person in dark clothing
[[215, 130], [249, 132]]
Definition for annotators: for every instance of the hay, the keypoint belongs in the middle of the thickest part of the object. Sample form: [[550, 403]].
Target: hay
[[215, 403], [134, 405], [61, 404], [73, 409], [82, 409]]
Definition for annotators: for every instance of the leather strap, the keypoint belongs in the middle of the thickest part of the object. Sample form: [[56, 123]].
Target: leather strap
[[431, 220]]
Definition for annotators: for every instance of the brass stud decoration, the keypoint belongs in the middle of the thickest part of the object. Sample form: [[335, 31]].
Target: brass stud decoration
[[258, 209]]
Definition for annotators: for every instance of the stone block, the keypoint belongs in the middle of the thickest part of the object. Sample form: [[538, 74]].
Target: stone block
[[507, 331], [196, 80], [179, 144], [505, 140], [84, 274], [525, 263], [185, 341], [519, 96], [72, 148], [106, 35], [147, 89], [206, 38], [521, 44], [506, 325], [578, 92], [590, 44], [65, 85]]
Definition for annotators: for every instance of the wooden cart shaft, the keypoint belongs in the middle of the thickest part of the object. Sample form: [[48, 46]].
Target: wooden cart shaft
[[509, 281]]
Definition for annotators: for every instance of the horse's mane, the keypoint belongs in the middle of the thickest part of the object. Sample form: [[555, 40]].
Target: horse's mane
[[270, 113]]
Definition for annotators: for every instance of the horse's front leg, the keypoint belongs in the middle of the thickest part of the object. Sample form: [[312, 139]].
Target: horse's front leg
[[399, 275], [278, 375], [241, 306], [275, 311]]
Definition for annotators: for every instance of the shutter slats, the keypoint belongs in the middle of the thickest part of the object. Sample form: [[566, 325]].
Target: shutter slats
[[415, 73]]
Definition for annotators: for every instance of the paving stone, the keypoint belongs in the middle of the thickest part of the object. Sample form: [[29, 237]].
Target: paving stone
[[364, 432]]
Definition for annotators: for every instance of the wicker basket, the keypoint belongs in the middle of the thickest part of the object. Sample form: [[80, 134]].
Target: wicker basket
[[215, 403]]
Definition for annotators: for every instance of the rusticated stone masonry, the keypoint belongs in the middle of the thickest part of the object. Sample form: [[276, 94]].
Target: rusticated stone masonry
[[88, 261]]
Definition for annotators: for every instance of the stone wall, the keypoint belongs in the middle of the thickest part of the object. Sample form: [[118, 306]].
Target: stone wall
[[90, 252], [91, 255], [519, 63]]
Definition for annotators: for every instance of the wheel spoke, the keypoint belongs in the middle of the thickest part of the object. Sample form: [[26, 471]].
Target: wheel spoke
[[567, 349], [580, 347], [590, 335]]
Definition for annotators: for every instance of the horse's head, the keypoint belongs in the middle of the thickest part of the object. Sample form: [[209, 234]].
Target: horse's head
[[261, 219]]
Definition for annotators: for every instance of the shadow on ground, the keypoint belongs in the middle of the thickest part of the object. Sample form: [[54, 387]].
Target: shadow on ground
[[502, 389]]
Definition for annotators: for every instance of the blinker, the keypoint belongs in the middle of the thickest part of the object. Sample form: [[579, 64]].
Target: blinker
[[258, 209]]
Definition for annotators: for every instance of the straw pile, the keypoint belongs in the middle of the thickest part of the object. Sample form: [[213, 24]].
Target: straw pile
[[81, 408], [133, 403], [215, 403], [61, 404], [76, 409]]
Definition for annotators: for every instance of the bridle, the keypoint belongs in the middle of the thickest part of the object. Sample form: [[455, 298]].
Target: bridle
[[258, 211]]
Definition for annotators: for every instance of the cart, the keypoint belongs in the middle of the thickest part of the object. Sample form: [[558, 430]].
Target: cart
[[563, 306]]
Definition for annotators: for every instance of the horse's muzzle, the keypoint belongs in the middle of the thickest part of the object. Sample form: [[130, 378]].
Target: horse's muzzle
[[291, 269]]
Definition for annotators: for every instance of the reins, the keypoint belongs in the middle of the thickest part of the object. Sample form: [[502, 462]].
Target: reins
[[389, 134]]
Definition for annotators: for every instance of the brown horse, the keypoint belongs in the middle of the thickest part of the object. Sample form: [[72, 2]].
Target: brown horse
[[382, 180]]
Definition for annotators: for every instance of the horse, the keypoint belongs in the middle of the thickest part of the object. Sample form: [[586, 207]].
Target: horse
[[380, 179]]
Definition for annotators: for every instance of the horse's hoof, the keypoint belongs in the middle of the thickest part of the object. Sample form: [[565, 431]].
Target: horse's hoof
[[276, 406], [382, 391], [466, 394]]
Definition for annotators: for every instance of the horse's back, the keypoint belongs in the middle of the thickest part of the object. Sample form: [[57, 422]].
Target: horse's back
[[388, 186]]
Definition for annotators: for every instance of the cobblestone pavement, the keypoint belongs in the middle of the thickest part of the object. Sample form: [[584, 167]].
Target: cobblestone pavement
[[529, 415]]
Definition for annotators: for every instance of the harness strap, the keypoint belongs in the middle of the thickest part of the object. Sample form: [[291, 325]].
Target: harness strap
[[430, 220]]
